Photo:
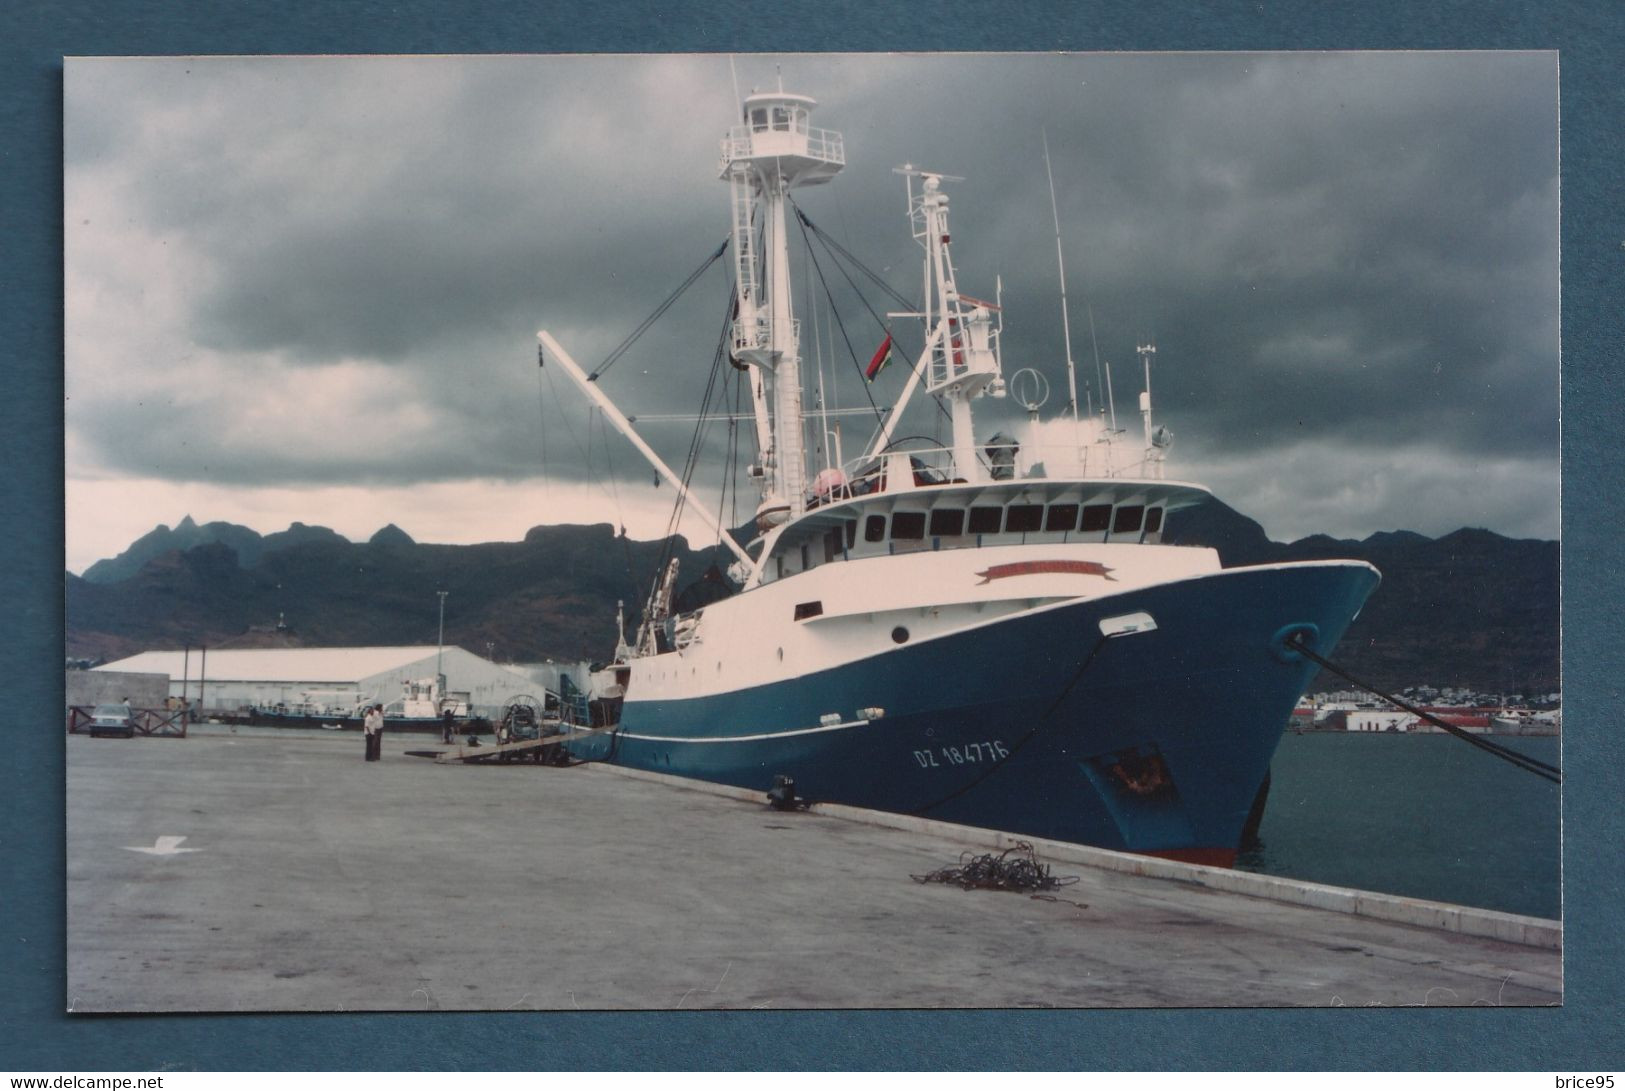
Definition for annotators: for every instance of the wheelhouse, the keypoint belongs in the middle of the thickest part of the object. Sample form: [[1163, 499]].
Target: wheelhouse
[[970, 516]]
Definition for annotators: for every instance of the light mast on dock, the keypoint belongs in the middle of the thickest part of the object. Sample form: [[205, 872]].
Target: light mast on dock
[[773, 151]]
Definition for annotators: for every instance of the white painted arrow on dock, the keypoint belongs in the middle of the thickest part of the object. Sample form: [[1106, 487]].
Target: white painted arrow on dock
[[164, 846]]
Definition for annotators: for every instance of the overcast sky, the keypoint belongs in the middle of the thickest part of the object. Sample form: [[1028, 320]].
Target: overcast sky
[[307, 289]]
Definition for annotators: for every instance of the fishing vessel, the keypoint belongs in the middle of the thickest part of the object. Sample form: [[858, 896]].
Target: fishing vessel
[[423, 703], [988, 631]]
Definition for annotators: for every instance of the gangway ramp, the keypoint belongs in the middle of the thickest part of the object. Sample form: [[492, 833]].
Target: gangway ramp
[[518, 750]]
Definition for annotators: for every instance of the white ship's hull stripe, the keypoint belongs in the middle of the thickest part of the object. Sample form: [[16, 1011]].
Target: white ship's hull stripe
[[747, 738]]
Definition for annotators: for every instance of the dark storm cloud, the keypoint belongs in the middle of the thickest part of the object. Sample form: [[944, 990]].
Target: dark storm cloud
[[1356, 249], [1358, 243]]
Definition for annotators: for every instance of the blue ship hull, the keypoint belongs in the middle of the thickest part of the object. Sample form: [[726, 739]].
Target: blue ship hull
[[1152, 742]]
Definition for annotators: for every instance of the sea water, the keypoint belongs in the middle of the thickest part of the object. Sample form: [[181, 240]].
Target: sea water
[[1427, 816]]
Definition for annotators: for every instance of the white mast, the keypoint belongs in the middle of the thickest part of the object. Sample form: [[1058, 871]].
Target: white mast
[[772, 152], [961, 359]]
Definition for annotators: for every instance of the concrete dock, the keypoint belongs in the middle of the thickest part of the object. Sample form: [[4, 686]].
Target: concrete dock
[[274, 872]]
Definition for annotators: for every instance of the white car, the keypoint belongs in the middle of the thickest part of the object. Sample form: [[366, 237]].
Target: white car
[[114, 719]]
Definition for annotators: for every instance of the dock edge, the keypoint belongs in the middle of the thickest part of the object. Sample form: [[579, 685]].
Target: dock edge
[[1418, 912]]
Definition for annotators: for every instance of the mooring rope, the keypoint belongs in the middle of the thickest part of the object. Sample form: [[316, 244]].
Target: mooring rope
[[1505, 753], [1016, 868]]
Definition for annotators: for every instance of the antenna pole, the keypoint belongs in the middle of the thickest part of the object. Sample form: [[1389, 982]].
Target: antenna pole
[[440, 652], [1146, 351], [1111, 401], [998, 299], [1060, 264]]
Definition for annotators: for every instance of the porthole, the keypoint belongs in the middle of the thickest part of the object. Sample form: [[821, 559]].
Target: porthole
[[899, 635]]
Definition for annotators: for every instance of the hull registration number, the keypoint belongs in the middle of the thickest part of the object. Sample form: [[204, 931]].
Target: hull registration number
[[971, 753]]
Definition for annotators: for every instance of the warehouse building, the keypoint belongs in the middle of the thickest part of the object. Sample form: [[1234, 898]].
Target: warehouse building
[[233, 679]]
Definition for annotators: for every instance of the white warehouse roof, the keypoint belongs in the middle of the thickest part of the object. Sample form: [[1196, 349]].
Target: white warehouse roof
[[279, 664]]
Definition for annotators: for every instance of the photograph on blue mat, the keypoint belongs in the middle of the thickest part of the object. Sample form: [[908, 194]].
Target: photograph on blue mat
[[700, 484]]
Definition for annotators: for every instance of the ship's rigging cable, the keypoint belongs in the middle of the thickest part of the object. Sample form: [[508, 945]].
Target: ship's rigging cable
[[542, 381], [615, 492], [697, 440], [1505, 753], [609, 466], [688, 468], [631, 338], [837, 251], [732, 481], [834, 246], [880, 418], [608, 362], [586, 458]]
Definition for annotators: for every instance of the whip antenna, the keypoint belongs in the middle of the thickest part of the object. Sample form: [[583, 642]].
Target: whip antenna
[[1060, 265]]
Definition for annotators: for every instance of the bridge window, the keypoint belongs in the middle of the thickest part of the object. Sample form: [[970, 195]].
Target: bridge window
[[908, 526], [874, 528], [781, 119], [1128, 519], [947, 522], [1153, 520], [1061, 517], [1024, 517], [986, 520], [1096, 517], [758, 119], [851, 533]]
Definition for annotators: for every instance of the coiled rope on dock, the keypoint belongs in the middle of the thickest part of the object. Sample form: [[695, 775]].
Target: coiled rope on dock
[[1016, 868]]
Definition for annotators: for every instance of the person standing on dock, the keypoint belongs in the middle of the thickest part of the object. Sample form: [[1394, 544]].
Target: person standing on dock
[[446, 725], [373, 726]]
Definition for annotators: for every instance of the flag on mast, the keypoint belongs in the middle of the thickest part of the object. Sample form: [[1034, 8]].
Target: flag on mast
[[879, 360]]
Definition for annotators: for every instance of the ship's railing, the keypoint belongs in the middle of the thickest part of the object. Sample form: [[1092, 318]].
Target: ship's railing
[[752, 333], [824, 145], [998, 462]]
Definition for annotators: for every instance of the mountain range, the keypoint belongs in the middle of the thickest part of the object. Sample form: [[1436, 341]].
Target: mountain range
[[1470, 609]]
